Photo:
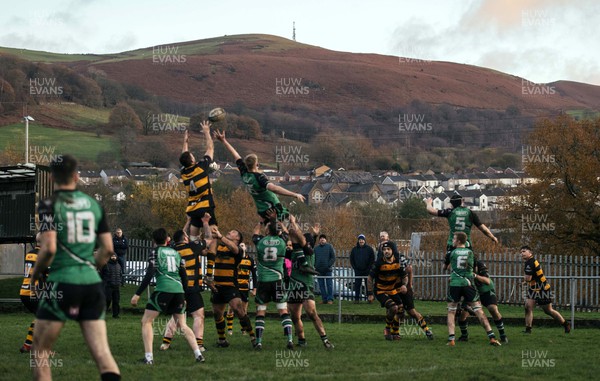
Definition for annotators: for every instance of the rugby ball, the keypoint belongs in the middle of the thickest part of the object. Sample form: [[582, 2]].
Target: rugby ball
[[216, 114]]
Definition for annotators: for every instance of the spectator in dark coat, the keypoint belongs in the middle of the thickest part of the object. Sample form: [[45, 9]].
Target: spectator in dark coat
[[120, 245], [112, 277], [324, 260], [362, 258]]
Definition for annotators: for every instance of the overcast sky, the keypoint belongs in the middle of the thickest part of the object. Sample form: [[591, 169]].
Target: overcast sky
[[540, 40]]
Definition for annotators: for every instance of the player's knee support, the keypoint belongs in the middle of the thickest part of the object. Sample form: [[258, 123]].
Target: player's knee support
[[194, 238], [281, 306], [261, 307], [476, 308], [452, 309]]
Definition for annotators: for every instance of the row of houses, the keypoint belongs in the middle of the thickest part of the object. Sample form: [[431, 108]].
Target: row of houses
[[324, 186]]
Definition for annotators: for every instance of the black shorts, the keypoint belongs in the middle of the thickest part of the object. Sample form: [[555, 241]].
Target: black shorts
[[166, 302], [30, 303], [298, 292], [244, 295], [224, 295], [194, 301], [488, 298], [408, 300], [387, 300], [541, 297], [270, 292], [468, 292], [62, 301], [282, 213], [196, 217]]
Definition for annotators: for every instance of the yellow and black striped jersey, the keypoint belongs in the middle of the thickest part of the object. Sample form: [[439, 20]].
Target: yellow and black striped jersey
[[223, 266], [191, 252], [388, 276], [30, 260], [538, 280], [246, 268], [197, 184]]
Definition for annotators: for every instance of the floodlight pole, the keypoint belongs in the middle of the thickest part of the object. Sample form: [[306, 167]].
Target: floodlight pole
[[27, 119], [26, 140]]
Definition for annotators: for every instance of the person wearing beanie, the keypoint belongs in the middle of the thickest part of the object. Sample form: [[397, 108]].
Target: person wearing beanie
[[362, 258]]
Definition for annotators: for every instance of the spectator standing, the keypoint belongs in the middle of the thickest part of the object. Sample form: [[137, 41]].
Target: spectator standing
[[121, 245], [324, 260], [112, 277], [362, 258]]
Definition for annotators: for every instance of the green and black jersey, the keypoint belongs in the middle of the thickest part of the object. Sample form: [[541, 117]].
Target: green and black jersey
[[461, 263], [169, 268], [270, 255], [256, 183], [482, 287], [77, 219], [297, 275], [460, 219]]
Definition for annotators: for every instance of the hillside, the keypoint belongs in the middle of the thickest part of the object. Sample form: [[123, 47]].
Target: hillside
[[225, 70], [305, 93], [246, 67]]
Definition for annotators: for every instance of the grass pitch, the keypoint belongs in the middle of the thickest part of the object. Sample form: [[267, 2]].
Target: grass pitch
[[360, 353]]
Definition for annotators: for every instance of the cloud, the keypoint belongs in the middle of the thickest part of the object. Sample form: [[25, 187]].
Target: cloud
[[540, 40], [120, 43]]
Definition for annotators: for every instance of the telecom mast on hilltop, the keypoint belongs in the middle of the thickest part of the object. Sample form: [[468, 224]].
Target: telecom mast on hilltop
[[294, 34]]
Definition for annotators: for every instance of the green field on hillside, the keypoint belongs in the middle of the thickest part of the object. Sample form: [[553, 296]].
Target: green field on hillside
[[45, 142], [79, 115], [40, 56], [191, 48], [583, 114]]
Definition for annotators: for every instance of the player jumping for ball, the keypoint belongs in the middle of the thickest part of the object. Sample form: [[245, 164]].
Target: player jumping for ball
[[262, 190]]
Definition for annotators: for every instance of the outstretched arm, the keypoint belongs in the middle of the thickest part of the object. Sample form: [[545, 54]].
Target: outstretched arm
[[220, 136], [484, 229], [430, 209], [284, 192], [186, 139], [210, 145]]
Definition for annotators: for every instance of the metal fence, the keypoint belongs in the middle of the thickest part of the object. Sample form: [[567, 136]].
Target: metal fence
[[575, 280]]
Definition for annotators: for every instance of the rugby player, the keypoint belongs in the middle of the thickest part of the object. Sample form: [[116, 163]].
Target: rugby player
[[538, 291], [72, 224], [29, 298], [270, 254], [195, 178], [300, 288], [387, 280], [487, 295], [223, 260], [261, 189], [461, 261], [246, 269], [191, 253], [460, 219], [168, 296]]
